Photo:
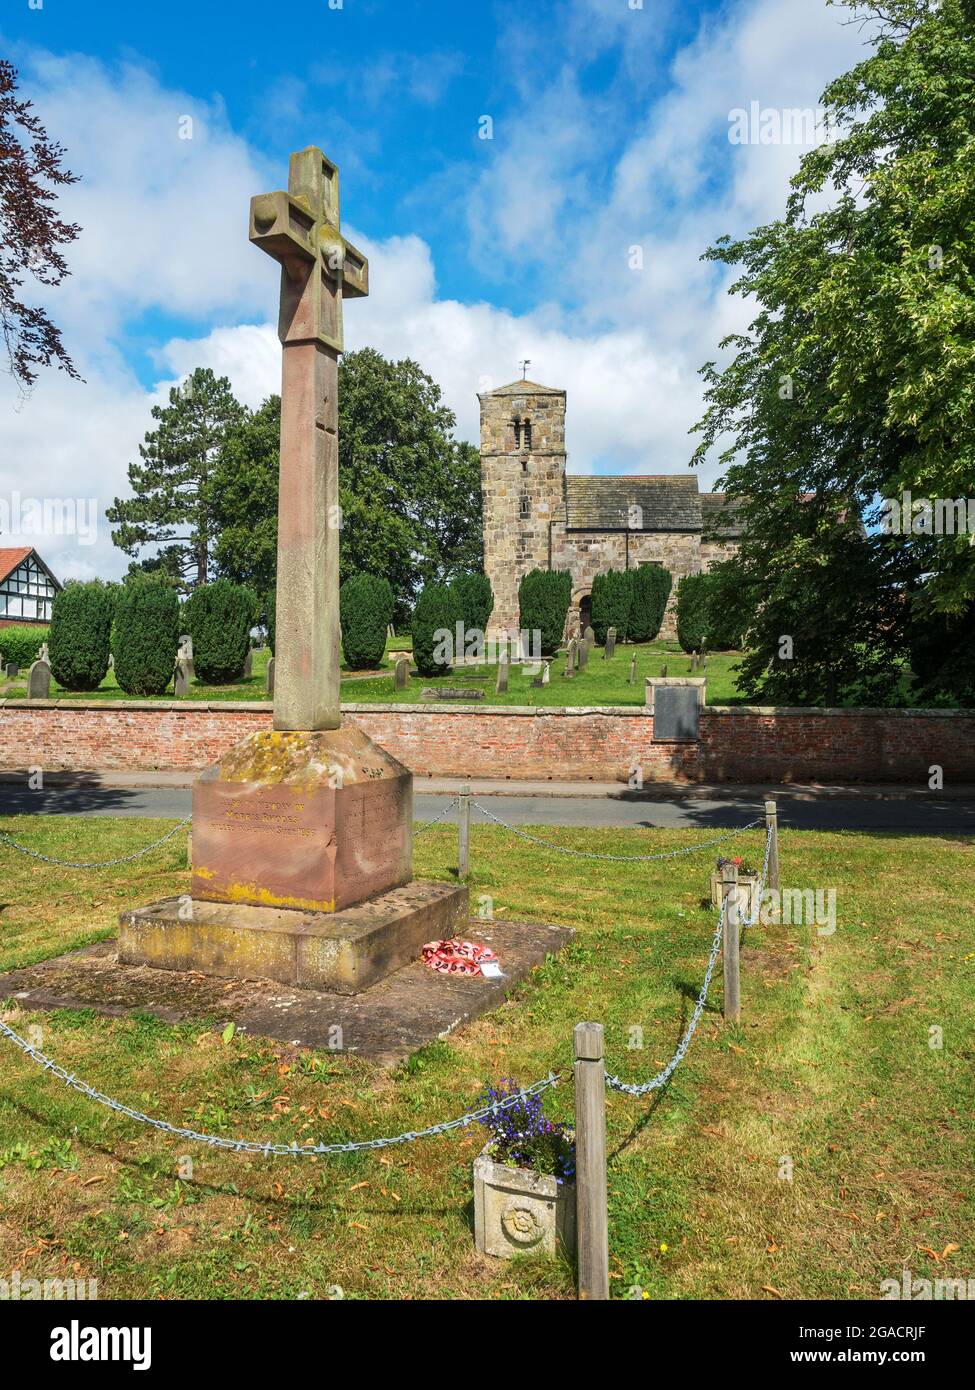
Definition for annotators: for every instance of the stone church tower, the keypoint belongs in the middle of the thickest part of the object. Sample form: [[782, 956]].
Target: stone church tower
[[536, 516], [522, 487]]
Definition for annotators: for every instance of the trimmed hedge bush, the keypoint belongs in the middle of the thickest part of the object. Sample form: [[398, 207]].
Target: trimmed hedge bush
[[692, 612], [219, 618], [612, 596], [650, 585], [543, 603], [365, 612], [81, 630], [435, 613], [146, 635], [21, 644], [474, 599]]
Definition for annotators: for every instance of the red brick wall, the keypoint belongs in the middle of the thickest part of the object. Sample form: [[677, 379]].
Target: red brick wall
[[737, 744]]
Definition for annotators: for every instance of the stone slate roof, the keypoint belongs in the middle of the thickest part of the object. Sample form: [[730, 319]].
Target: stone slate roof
[[720, 516], [668, 502]]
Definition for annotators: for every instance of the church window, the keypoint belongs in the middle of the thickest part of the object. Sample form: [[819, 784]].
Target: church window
[[525, 506], [516, 427], [526, 431]]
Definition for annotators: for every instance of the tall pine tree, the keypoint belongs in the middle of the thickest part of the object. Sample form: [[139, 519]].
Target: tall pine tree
[[172, 503]]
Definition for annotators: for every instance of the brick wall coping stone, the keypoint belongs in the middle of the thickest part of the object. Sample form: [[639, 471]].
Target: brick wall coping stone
[[522, 711]]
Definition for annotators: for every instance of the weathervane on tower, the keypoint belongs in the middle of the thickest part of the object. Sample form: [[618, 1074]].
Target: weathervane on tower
[[526, 363]]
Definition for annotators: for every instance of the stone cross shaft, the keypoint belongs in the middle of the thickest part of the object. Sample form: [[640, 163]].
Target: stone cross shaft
[[300, 229]]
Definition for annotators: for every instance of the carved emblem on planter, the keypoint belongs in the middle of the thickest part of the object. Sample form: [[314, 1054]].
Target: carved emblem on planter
[[522, 1225]]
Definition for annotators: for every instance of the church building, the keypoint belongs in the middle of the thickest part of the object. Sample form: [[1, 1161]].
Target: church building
[[536, 516]]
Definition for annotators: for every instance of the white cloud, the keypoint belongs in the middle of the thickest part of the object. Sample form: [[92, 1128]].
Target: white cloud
[[164, 234]]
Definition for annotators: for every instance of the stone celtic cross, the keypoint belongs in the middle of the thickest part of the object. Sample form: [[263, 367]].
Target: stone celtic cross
[[300, 229]]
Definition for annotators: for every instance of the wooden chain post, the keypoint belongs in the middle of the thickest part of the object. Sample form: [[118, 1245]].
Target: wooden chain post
[[732, 917], [464, 831], [591, 1204]]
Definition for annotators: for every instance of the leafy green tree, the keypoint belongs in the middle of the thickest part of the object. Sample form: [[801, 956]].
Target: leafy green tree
[[145, 636], [435, 614], [219, 617], [81, 628], [475, 600], [650, 588], [245, 498], [855, 381], [410, 493], [365, 612], [172, 502], [543, 604], [612, 595]]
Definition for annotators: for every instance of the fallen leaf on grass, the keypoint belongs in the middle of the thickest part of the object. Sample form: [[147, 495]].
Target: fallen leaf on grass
[[767, 1288], [90, 1182]]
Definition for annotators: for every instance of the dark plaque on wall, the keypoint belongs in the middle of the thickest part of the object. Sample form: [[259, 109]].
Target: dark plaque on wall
[[675, 714]]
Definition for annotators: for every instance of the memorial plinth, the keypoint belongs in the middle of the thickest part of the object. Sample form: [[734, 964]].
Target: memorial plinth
[[312, 821], [302, 870]]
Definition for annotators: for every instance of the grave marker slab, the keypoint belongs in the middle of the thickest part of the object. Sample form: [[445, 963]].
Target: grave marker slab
[[39, 681]]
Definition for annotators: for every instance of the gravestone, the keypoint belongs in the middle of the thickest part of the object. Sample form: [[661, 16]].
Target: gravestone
[[450, 693], [547, 673], [632, 680], [610, 643], [570, 663], [10, 669], [693, 661], [401, 673], [181, 679], [39, 681], [248, 670], [298, 825], [185, 655], [582, 657], [269, 677], [111, 661], [590, 636], [501, 684], [664, 672], [44, 654]]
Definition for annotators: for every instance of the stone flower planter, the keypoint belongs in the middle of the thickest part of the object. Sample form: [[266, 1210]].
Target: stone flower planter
[[747, 883], [518, 1211]]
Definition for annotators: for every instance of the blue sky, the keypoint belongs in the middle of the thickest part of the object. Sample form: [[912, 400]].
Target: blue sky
[[610, 132]]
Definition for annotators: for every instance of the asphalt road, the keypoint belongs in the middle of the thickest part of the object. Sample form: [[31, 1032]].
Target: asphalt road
[[920, 815]]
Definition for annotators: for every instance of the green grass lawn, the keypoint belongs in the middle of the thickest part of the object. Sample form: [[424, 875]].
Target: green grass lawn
[[602, 683], [831, 1071]]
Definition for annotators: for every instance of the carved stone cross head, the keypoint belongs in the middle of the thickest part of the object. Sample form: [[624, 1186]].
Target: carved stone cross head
[[300, 229]]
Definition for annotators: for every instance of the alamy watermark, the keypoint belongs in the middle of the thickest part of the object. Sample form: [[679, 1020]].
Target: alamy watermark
[[927, 1290], [926, 516], [778, 125], [49, 516], [17, 1289], [470, 645]]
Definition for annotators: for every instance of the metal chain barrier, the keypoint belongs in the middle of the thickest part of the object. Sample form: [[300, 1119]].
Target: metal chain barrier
[[438, 818], [615, 858], [662, 1077], [95, 863], [256, 1146]]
